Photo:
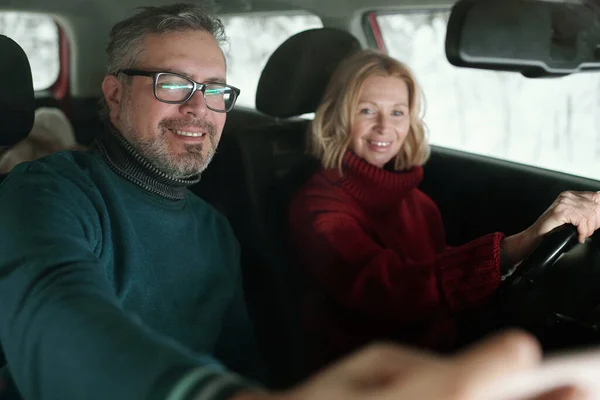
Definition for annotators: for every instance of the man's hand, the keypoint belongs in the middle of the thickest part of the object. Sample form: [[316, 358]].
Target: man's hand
[[389, 372]]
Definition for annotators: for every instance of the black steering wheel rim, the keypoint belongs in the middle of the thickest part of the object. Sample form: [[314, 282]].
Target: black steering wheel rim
[[524, 297], [547, 252]]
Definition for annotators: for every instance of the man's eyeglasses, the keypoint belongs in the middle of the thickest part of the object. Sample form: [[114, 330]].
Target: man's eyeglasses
[[173, 88]]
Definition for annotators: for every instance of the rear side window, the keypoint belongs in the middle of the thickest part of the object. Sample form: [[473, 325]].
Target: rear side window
[[37, 34], [548, 123], [252, 40]]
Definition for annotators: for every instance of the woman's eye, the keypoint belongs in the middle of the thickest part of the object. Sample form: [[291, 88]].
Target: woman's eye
[[398, 113], [366, 111]]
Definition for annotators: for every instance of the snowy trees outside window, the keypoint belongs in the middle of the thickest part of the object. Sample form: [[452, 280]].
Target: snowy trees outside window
[[37, 34], [252, 40], [552, 123]]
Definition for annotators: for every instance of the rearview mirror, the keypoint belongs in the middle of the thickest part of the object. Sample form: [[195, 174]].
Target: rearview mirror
[[534, 37]]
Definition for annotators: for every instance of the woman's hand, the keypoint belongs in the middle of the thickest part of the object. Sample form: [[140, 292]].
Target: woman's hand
[[581, 209]]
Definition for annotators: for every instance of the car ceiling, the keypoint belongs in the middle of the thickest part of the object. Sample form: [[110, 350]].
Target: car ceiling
[[87, 23]]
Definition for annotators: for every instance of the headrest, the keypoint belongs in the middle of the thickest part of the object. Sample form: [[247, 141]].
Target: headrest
[[51, 132], [52, 125], [296, 75], [17, 104]]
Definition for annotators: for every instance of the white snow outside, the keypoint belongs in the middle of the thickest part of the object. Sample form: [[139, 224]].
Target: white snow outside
[[549, 123]]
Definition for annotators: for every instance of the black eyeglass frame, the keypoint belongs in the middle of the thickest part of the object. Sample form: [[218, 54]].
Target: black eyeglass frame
[[197, 86]]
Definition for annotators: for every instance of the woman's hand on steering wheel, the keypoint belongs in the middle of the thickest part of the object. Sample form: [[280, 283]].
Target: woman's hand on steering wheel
[[581, 209]]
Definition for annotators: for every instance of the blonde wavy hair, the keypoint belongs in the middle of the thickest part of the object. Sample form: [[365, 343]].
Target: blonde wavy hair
[[329, 132]]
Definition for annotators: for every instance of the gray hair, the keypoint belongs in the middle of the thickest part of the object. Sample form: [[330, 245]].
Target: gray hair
[[125, 43]]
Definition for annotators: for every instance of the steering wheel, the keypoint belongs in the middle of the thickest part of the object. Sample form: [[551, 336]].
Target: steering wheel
[[535, 296], [553, 245]]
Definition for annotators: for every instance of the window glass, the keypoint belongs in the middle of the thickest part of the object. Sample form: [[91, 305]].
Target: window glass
[[252, 40], [550, 123], [37, 34]]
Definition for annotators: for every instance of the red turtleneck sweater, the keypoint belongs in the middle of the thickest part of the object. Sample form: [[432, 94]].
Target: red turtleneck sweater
[[375, 252]]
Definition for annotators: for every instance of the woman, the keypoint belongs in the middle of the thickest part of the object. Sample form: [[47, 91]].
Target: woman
[[372, 243]]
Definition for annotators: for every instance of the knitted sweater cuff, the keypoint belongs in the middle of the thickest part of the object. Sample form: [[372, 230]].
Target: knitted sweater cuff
[[208, 384], [469, 274]]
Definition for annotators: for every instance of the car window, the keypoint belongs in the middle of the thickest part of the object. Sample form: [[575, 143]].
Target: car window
[[549, 123], [252, 39], [37, 34]]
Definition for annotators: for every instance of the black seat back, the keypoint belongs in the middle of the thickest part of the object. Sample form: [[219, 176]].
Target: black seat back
[[17, 106], [252, 177]]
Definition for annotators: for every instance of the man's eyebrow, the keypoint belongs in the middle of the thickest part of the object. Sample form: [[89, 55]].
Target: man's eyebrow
[[214, 79]]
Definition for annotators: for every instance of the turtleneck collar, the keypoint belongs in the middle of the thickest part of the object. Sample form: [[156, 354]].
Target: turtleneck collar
[[122, 158], [375, 186]]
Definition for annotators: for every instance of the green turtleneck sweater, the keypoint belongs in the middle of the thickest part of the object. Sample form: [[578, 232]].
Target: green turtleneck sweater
[[117, 283]]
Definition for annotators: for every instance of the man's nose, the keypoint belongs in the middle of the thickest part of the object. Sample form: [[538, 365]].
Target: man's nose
[[196, 105]]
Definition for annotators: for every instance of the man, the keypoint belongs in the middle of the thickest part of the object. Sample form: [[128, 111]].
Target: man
[[117, 283]]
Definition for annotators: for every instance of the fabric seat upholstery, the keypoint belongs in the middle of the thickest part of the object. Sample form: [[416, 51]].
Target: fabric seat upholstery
[[252, 177], [17, 108], [17, 105]]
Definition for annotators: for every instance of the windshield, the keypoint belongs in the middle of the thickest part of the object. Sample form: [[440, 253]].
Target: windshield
[[551, 123]]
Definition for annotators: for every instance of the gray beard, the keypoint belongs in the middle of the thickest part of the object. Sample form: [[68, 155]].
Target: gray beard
[[155, 150], [191, 162]]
